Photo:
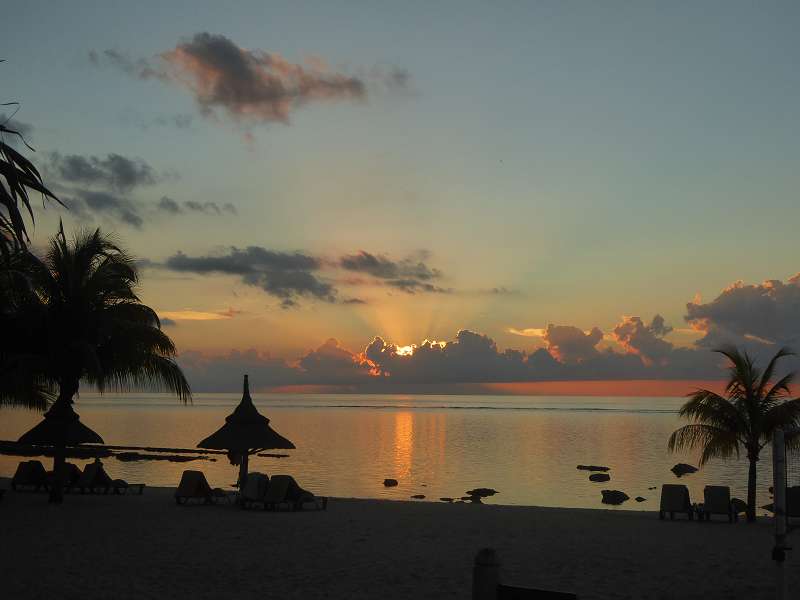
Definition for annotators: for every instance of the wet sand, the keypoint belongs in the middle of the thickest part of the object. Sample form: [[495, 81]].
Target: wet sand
[[148, 547]]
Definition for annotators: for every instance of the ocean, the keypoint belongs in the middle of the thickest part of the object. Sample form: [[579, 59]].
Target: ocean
[[526, 448]]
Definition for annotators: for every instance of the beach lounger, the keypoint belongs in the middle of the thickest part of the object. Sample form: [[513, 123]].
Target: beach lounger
[[194, 486], [94, 479], [675, 499], [30, 475], [717, 501], [254, 490], [278, 493], [297, 497], [70, 477]]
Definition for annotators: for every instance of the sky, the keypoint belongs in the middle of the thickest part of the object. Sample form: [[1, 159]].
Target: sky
[[543, 191]]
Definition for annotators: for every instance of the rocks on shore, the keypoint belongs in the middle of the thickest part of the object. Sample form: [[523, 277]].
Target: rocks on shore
[[593, 468], [389, 482], [599, 477], [614, 497], [137, 456], [682, 469]]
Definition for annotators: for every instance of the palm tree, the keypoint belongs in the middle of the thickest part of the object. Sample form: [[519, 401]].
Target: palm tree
[[745, 420], [81, 320], [18, 177]]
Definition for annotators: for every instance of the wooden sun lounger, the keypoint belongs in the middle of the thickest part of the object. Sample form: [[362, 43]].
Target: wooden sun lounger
[[717, 501], [295, 496], [30, 475], [194, 486], [254, 490], [675, 499], [94, 479]]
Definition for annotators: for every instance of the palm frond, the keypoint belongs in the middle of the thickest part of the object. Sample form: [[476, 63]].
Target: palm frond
[[716, 442], [770, 370]]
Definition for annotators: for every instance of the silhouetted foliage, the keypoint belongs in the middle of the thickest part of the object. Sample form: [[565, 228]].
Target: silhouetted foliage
[[723, 427], [74, 316]]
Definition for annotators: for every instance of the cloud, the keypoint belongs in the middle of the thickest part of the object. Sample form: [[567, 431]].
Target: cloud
[[528, 332], [287, 276], [333, 364], [113, 172], [765, 314], [410, 275], [167, 322], [172, 207], [196, 315], [252, 86], [88, 203], [645, 340], [571, 345]]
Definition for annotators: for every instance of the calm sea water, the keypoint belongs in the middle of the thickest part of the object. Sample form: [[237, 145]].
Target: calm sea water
[[527, 448]]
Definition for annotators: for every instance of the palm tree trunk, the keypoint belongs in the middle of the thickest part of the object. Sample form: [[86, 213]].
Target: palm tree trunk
[[751, 490]]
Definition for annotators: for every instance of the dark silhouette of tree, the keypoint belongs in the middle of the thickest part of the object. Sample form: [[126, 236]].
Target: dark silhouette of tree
[[79, 319], [723, 427], [18, 178]]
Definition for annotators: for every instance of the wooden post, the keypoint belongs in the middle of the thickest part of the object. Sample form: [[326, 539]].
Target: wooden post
[[779, 511], [485, 575]]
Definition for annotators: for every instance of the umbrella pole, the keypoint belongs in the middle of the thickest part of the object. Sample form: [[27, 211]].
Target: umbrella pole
[[57, 483], [243, 471]]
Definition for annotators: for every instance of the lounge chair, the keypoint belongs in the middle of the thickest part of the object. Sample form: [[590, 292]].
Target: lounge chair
[[278, 493], [675, 499], [30, 475], [122, 487], [194, 486], [70, 477], [296, 497], [717, 501], [254, 490], [94, 479]]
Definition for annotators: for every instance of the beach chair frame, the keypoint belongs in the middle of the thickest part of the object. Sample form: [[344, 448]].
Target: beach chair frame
[[717, 506], [675, 500], [30, 475]]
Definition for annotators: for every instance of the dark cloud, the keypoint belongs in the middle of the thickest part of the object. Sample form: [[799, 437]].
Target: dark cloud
[[571, 345], [113, 172], [172, 207], [165, 322], [766, 314], [287, 276], [94, 203], [246, 85], [409, 275], [645, 340]]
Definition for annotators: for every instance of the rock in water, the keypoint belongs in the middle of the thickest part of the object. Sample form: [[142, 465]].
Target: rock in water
[[640, 499], [418, 496], [482, 492], [682, 469], [593, 468], [390, 482], [739, 506], [614, 497], [599, 477]]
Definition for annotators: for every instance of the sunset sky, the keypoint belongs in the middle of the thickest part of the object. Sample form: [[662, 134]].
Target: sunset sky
[[588, 179]]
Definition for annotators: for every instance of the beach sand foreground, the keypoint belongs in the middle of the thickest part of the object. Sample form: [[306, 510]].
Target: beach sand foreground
[[147, 547]]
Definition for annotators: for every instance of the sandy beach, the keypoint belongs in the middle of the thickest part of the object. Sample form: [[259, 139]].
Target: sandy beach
[[147, 547]]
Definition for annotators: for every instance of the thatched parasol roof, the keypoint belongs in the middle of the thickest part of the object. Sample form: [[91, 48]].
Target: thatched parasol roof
[[246, 429], [61, 426]]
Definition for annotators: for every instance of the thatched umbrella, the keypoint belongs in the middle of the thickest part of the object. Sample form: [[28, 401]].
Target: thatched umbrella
[[246, 431], [61, 427]]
